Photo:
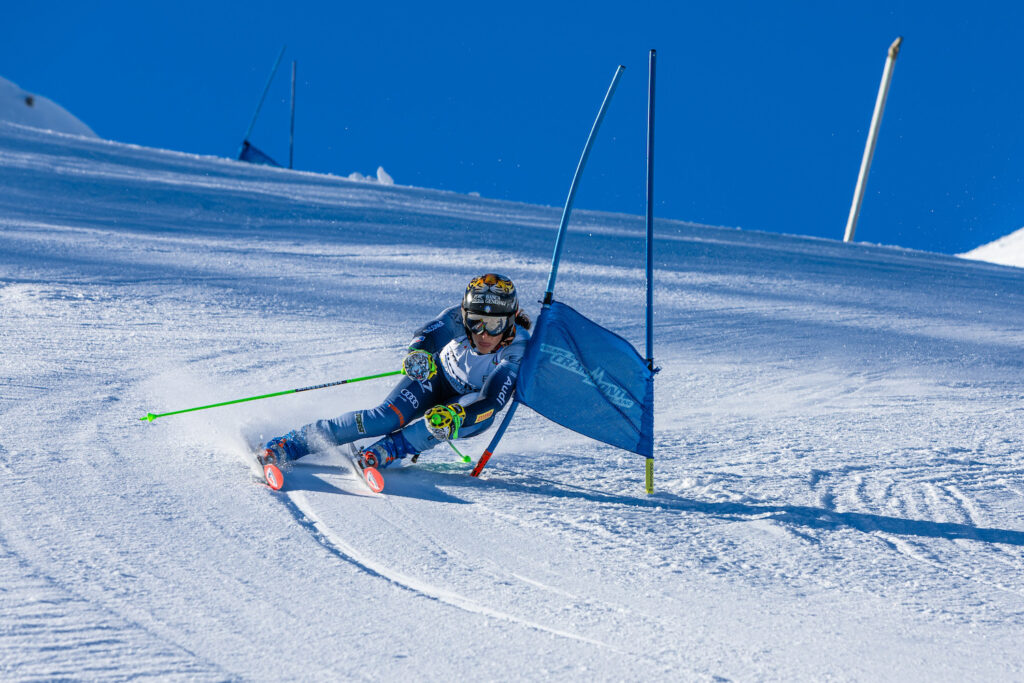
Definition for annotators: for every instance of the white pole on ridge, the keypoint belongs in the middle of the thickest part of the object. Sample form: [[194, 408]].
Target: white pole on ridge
[[869, 149]]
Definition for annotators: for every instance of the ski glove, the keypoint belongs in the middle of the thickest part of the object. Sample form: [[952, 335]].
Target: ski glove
[[444, 421], [419, 365]]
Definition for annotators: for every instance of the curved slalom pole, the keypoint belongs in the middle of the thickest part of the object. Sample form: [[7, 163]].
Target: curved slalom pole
[[567, 210], [489, 451], [556, 256]]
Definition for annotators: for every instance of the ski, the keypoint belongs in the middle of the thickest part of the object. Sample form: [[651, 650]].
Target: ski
[[369, 475]]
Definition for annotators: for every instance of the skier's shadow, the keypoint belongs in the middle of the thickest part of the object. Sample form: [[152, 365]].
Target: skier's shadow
[[304, 477], [424, 484], [796, 515]]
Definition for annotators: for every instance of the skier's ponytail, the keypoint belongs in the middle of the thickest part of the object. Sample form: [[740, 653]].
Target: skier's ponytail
[[520, 319], [523, 320]]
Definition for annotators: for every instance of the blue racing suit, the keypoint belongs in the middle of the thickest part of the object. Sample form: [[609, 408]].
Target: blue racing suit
[[481, 383]]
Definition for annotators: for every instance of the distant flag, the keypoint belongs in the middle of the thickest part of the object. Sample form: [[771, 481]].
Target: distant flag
[[254, 155]]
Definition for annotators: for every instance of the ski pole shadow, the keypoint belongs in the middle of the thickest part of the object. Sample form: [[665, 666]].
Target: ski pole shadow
[[795, 515]]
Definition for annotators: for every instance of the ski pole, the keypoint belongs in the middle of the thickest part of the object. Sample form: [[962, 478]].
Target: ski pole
[[151, 416], [465, 458]]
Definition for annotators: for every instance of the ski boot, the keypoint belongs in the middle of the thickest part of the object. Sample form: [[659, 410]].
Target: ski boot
[[282, 449], [276, 454], [385, 451]]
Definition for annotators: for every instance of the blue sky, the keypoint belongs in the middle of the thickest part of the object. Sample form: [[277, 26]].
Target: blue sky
[[762, 110]]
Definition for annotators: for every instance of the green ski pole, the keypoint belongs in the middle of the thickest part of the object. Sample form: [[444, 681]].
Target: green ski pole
[[465, 458], [151, 416]]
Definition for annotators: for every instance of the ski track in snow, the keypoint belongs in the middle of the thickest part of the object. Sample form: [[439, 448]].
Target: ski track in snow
[[839, 473], [306, 515]]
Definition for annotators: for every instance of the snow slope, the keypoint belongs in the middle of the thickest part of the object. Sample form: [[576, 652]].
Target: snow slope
[[840, 478], [1007, 250]]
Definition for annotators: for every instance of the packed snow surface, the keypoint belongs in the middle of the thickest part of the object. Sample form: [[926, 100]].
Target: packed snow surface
[[1007, 250], [839, 463]]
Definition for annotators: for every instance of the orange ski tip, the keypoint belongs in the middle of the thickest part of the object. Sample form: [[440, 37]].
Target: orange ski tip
[[373, 479], [273, 476]]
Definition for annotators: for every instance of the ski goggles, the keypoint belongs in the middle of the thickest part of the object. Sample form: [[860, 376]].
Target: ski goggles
[[488, 324]]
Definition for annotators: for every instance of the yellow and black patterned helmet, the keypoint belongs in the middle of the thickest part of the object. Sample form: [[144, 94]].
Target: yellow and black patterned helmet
[[491, 294]]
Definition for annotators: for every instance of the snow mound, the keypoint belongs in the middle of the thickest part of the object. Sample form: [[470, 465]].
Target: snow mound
[[27, 109], [1006, 251], [383, 177]]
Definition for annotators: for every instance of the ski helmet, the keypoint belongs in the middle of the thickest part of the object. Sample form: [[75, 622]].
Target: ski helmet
[[490, 305]]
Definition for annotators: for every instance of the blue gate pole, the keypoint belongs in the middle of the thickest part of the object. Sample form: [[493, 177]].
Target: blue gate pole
[[291, 128], [259, 106], [559, 243], [650, 216], [649, 467]]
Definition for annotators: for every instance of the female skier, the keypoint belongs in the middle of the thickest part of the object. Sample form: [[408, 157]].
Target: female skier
[[460, 370]]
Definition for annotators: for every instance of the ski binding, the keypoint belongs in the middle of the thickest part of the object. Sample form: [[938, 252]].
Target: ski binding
[[370, 475]]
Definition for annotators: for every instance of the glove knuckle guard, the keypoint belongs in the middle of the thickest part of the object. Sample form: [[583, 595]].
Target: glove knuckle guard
[[444, 421]]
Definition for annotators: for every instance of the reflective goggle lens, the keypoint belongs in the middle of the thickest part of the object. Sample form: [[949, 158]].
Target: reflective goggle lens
[[491, 324]]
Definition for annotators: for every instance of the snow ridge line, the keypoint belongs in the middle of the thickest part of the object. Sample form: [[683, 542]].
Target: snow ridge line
[[299, 507]]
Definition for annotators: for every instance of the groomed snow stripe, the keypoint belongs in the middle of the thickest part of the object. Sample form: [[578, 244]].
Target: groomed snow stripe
[[298, 505]]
